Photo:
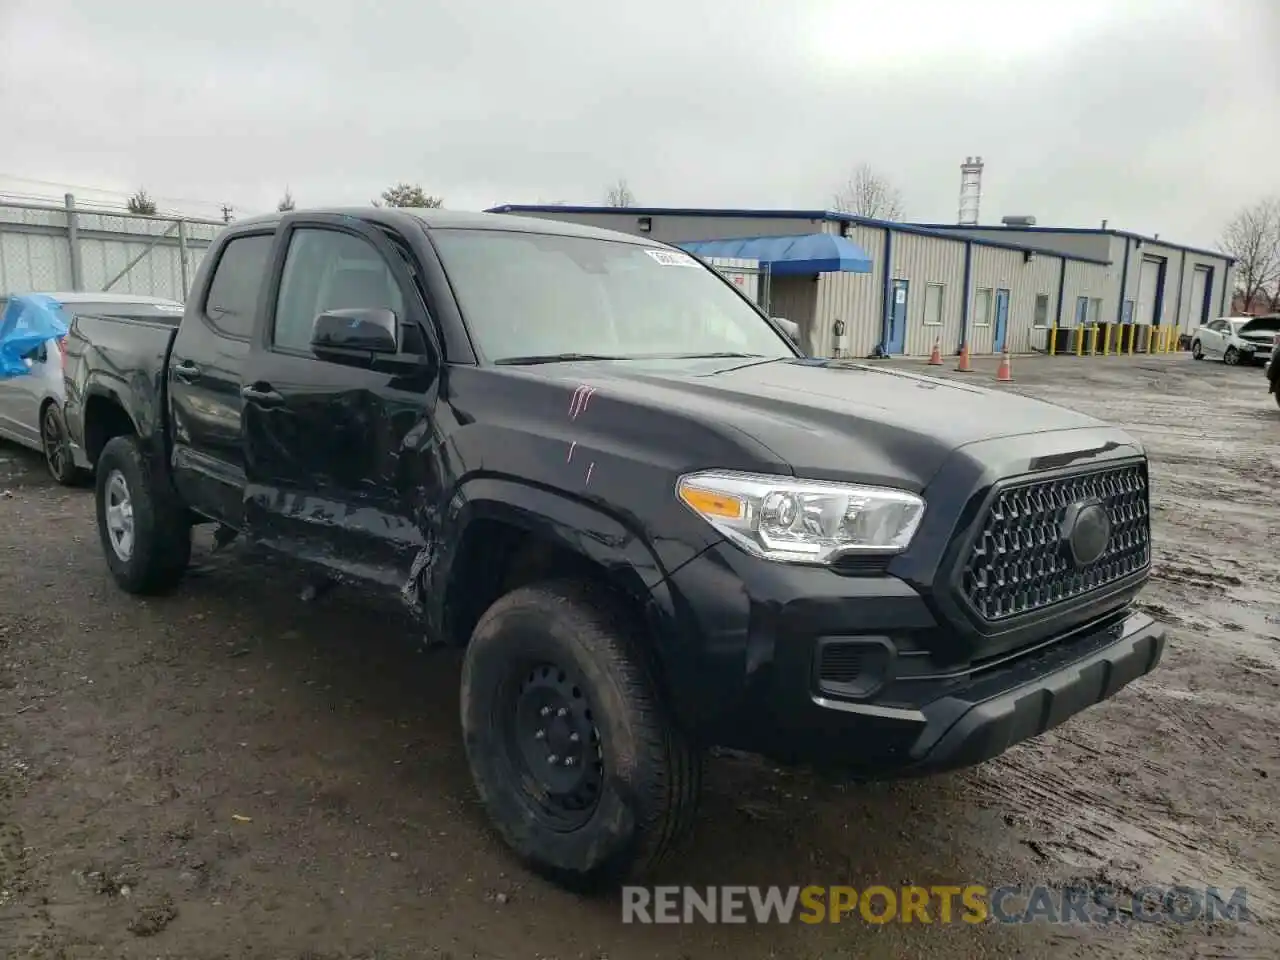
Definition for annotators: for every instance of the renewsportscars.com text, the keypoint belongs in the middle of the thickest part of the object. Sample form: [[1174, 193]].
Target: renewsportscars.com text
[[939, 904]]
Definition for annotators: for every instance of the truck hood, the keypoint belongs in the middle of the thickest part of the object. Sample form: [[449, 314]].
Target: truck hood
[[830, 419]]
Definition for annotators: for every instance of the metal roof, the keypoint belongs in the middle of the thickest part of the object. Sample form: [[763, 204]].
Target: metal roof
[[795, 255], [1097, 231], [817, 216]]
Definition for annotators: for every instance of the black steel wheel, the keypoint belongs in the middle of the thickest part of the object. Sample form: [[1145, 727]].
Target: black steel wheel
[[582, 769], [56, 445], [554, 745]]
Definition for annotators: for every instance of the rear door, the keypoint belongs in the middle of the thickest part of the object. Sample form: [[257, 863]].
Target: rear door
[[332, 445], [204, 373]]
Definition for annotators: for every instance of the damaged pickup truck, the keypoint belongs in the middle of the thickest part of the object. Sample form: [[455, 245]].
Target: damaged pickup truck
[[652, 523]]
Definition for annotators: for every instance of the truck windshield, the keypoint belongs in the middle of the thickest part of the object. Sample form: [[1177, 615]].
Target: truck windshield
[[540, 296]]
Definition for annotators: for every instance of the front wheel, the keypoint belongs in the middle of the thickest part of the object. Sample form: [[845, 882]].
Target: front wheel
[[145, 532], [1196, 352], [1232, 357], [582, 770]]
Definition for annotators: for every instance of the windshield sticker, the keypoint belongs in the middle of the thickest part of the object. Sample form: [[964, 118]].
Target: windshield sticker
[[672, 258]]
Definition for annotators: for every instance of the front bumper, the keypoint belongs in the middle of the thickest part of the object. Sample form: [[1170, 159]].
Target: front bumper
[[759, 630]]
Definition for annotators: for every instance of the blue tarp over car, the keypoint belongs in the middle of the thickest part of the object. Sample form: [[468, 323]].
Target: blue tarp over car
[[28, 321]]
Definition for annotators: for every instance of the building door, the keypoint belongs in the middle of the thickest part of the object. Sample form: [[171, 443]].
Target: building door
[[1150, 282], [1002, 320], [896, 338], [1082, 311], [1198, 306]]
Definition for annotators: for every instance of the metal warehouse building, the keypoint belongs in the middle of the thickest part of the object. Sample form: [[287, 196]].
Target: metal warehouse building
[[1163, 283], [855, 285]]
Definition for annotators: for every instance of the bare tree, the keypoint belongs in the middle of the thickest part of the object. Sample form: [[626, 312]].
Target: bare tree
[[869, 193], [286, 202], [1252, 237], [620, 195], [407, 195], [140, 202]]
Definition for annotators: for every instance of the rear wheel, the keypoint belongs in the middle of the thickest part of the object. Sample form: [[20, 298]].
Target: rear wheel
[[56, 445], [145, 532], [1232, 357], [581, 769], [1196, 352]]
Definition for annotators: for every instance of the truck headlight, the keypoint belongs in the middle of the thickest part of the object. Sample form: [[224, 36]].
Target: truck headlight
[[802, 521]]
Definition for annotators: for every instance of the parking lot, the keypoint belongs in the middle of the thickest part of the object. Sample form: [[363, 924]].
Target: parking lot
[[236, 772]]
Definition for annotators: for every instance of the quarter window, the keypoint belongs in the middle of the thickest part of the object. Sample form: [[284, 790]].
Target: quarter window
[[232, 301]]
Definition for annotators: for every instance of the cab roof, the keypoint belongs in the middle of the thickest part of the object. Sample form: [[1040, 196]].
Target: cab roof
[[439, 219]]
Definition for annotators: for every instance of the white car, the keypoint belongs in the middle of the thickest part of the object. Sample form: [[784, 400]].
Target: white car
[[31, 404], [1235, 340]]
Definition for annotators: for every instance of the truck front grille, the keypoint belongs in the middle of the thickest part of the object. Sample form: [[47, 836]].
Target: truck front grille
[[1021, 562]]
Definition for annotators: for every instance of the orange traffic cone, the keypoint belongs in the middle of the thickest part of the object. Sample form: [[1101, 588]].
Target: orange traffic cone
[[964, 366], [1005, 373], [935, 358]]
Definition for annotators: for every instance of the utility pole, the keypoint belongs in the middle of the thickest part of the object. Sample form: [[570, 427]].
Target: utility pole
[[226, 213]]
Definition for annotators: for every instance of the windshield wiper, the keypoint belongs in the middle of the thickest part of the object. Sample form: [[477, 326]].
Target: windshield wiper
[[557, 358]]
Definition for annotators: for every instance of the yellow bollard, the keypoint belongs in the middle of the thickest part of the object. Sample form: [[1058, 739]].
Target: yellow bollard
[[1093, 341], [1106, 342], [1053, 340], [1079, 341], [1133, 329], [1150, 337]]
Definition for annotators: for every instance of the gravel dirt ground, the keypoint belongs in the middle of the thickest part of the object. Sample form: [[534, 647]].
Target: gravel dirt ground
[[232, 772]]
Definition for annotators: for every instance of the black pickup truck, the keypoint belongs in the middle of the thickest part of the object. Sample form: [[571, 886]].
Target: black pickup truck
[[653, 524]]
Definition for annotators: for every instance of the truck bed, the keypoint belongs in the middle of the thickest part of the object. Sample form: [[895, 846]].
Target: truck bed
[[121, 360]]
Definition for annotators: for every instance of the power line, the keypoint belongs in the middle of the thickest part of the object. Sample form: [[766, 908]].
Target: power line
[[218, 204]]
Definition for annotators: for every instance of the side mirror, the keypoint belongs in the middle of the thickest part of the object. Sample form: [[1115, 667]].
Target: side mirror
[[790, 327], [371, 329]]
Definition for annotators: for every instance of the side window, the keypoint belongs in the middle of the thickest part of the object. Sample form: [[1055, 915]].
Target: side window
[[237, 279], [329, 270]]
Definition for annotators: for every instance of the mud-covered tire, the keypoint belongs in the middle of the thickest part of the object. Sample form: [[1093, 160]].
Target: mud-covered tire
[[649, 773], [1197, 352], [160, 547]]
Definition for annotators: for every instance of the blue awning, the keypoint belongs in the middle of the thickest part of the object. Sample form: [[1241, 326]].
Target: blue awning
[[797, 255]]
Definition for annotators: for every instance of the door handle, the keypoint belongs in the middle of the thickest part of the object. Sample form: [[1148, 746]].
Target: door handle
[[186, 371], [262, 395]]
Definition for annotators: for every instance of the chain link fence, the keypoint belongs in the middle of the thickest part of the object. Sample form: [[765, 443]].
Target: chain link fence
[[47, 248]]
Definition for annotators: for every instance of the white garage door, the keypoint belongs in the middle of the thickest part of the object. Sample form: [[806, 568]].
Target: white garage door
[[1196, 307], [1148, 291]]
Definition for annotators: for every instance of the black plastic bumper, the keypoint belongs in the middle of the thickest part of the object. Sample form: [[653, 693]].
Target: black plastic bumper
[[1050, 693], [750, 633]]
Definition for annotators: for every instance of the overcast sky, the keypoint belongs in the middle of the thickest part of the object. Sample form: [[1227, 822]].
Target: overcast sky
[[1159, 115]]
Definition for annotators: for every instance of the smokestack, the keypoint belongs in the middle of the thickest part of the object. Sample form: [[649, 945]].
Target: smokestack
[[970, 191]]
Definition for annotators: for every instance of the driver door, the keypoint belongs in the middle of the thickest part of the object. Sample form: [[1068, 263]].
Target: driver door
[[332, 446]]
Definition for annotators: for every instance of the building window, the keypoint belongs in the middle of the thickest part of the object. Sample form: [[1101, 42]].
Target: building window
[[982, 307], [1095, 309], [1042, 310], [933, 304]]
